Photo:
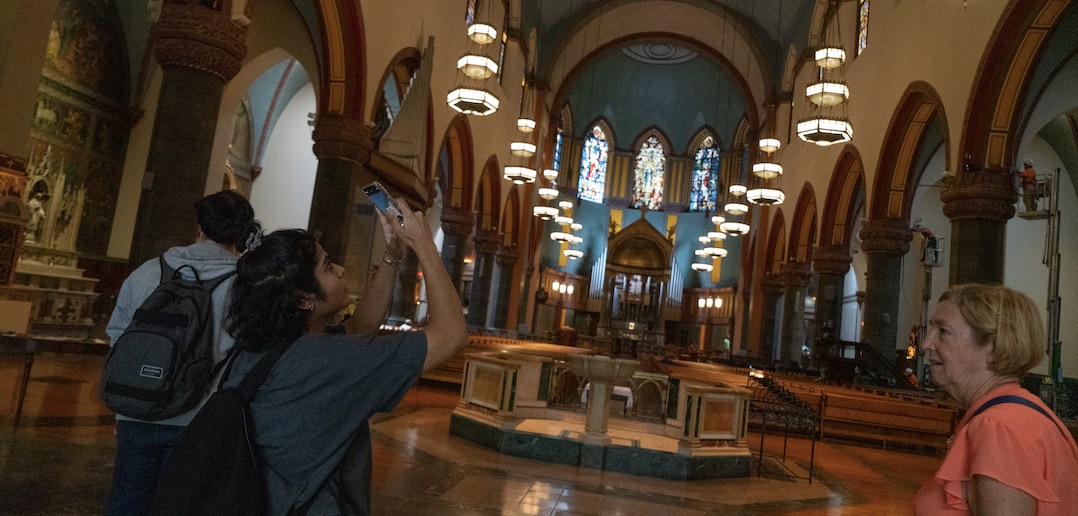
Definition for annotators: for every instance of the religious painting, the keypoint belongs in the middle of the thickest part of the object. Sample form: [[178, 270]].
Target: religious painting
[[86, 47], [704, 176], [592, 182], [650, 171]]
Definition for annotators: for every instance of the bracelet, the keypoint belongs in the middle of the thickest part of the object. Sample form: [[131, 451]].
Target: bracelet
[[385, 258]]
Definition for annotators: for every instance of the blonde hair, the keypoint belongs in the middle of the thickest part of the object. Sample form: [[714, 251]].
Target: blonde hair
[[1005, 319]]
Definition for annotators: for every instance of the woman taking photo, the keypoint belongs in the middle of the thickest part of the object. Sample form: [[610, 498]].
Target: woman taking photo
[[1010, 455], [315, 404]]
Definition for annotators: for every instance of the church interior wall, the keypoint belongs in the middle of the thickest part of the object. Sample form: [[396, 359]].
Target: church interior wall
[[134, 168], [283, 192]]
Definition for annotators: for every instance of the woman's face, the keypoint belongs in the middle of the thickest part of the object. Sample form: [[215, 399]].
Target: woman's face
[[955, 360], [330, 276]]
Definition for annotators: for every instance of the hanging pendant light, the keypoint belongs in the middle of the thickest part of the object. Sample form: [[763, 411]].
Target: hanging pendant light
[[828, 96], [544, 212], [702, 267]]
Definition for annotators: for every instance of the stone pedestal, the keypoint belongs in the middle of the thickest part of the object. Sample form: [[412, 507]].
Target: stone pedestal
[[61, 298], [601, 373]]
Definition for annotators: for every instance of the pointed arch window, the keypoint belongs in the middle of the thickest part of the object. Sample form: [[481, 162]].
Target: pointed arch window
[[469, 13], [650, 172], [862, 26], [592, 182], [705, 176], [559, 136]]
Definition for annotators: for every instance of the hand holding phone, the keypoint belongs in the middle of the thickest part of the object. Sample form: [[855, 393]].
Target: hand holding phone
[[383, 201]]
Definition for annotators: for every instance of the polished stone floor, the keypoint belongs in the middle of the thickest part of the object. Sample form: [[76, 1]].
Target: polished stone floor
[[59, 462]]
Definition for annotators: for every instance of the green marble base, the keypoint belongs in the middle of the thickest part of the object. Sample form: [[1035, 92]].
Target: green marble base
[[622, 459]]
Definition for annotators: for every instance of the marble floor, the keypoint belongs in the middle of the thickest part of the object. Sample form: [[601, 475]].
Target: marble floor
[[58, 461]]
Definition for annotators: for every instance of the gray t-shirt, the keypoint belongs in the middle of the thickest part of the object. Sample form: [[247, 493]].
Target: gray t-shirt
[[323, 389]]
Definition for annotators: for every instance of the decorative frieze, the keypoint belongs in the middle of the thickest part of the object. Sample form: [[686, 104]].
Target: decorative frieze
[[341, 138], [986, 194], [193, 36], [832, 259], [457, 221], [890, 235]]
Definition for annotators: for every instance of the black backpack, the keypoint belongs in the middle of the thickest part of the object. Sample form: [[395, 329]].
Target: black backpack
[[216, 466], [163, 362]]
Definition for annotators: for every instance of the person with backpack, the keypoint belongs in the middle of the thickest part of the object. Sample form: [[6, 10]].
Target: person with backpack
[[316, 401], [143, 437]]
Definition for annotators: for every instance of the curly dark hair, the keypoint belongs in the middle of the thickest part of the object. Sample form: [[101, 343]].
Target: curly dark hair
[[264, 309], [226, 218]]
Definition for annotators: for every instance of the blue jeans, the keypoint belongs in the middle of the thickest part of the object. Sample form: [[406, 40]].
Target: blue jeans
[[141, 449]]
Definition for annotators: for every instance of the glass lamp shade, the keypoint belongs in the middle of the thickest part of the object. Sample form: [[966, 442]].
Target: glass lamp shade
[[715, 236], [576, 226], [472, 101], [701, 267], [715, 252], [563, 220], [548, 194], [704, 239], [717, 219], [765, 196], [576, 239], [550, 174], [827, 93], [544, 212], [561, 236], [737, 189], [735, 208], [734, 228], [565, 205], [519, 175], [700, 252], [829, 58], [769, 145], [482, 33], [766, 170], [523, 149], [477, 66], [573, 254], [525, 125], [825, 130]]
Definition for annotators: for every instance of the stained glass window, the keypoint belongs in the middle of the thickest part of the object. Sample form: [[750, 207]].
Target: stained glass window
[[650, 170], [705, 175], [592, 182], [862, 26], [469, 14], [557, 149], [505, 43]]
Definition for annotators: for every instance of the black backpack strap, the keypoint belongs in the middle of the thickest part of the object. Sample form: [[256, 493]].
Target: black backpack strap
[[1010, 398], [257, 375], [212, 284], [167, 272]]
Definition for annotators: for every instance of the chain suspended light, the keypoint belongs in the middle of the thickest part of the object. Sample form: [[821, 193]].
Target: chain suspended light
[[482, 33], [544, 212], [764, 192], [470, 97], [548, 193], [827, 123]]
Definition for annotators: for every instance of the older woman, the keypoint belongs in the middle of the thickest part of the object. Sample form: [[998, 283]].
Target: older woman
[[1010, 455]]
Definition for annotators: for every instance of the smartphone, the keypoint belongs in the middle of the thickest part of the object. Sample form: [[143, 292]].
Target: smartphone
[[383, 201]]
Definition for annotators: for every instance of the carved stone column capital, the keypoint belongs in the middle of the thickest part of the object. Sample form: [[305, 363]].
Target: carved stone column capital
[[889, 235], [341, 137], [832, 259], [487, 241], [507, 256], [796, 274], [457, 221], [986, 194], [774, 284], [193, 36]]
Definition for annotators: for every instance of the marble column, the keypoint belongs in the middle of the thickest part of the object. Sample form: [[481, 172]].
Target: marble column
[[885, 241], [199, 50], [457, 224], [831, 263], [404, 290], [796, 276], [341, 145], [979, 205], [506, 260], [774, 286], [487, 242]]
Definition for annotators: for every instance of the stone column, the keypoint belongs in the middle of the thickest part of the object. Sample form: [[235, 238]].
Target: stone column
[[487, 242], [831, 264], [404, 290], [979, 205], [457, 225], [506, 260], [199, 49], [885, 241], [796, 276], [774, 286], [341, 145]]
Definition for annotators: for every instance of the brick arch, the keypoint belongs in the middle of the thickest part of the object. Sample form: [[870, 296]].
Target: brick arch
[[457, 165], [990, 135], [488, 196], [844, 194], [343, 67], [776, 244], [897, 174], [803, 230]]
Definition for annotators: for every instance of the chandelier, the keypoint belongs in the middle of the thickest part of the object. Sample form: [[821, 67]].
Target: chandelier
[[470, 96], [519, 169], [766, 172], [828, 96]]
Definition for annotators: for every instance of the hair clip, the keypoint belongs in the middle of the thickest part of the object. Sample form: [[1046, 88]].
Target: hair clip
[[254, 240]]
